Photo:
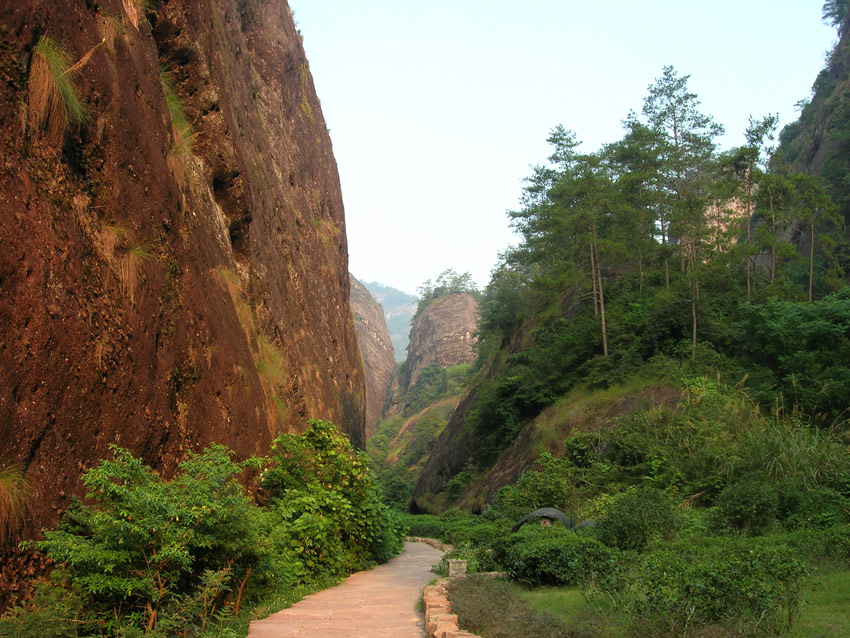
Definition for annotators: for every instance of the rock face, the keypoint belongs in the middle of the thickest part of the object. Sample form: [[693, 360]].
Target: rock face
[[443, 333], [376, 351], [164, 287], [817, 143], [399, 308]]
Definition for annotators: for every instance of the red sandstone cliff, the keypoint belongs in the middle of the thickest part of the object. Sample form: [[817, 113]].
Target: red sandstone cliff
[[376, 351], [162, 288], [443, 333]]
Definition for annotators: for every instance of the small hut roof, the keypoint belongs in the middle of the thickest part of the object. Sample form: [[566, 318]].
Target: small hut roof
[[545, 512]]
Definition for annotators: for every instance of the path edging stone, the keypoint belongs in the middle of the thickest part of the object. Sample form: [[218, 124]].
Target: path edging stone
[[439, 621]]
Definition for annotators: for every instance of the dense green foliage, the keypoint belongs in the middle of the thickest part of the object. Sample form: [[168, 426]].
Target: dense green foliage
[[425, 410], [658, 246], [708, 514], [435, 383], [558, 557], [180, 557]]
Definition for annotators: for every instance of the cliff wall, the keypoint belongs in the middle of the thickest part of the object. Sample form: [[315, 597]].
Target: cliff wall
[[443, 333], [173, 263], [376, 351]]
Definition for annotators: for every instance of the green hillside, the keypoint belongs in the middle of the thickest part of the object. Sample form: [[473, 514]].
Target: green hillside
[[665, 355]]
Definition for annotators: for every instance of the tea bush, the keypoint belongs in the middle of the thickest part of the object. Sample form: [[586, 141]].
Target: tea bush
[[746, 581], [816, 507], [558, 557], [748, 506], [636, 517]]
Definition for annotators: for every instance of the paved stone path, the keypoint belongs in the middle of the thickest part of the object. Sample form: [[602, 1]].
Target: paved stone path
[[379, 603]]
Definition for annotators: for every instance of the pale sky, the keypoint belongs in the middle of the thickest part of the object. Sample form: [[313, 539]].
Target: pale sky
[[438, 110]]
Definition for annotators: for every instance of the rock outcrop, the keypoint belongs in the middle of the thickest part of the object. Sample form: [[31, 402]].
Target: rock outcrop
[[376, 351], [173, 264], [443, 333], [399, 308]]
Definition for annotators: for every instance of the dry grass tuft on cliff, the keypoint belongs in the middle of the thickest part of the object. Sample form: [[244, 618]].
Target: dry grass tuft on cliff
[[53, 99], [14, 494]]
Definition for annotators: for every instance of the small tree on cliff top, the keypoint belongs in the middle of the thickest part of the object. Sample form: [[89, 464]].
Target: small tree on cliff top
[[448, 282]]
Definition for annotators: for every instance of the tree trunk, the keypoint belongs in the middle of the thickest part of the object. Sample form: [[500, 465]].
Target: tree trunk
[[593, 278], [694, 322], [664, 243], [773, 238], [749, 233], [595, 249], [640, 270], [812, 260]]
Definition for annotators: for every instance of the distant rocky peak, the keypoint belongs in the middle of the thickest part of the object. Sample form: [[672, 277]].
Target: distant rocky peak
[[443, 333]]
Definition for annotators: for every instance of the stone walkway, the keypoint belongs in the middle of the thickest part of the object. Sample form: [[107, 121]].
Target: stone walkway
[[380, 603]]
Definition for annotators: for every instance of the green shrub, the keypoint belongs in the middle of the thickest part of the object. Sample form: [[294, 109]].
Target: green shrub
[[58, 613], [471, 529], [479, 558], [745, 581], [830, 545], [637, 517], [458, 483], [816, 507], [326, 490], [558, 557], [423, 525], [149, 557], [145, 542], [749, 506]]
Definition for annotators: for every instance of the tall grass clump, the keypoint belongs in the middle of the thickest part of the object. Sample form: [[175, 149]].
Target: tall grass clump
[[181, 124], [14, 492], [51, 77]]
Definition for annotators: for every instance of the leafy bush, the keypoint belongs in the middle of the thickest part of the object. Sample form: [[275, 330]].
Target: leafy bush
[[830, 545], [147, 556], [479, 558], [751, 582], [815, 507], [637, 517], [805, 346], [145, 541], [749, 506], [558, 557], [425, 525], [324, 487]]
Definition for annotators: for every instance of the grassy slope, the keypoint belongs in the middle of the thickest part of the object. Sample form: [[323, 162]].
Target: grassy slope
[[579, 410], [826, 612]]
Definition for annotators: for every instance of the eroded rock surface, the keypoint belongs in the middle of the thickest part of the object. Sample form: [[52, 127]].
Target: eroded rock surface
[[376, 351], [443, 333], [165, 286]]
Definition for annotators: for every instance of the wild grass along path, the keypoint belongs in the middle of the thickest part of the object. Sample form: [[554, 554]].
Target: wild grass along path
[[380, 603]]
